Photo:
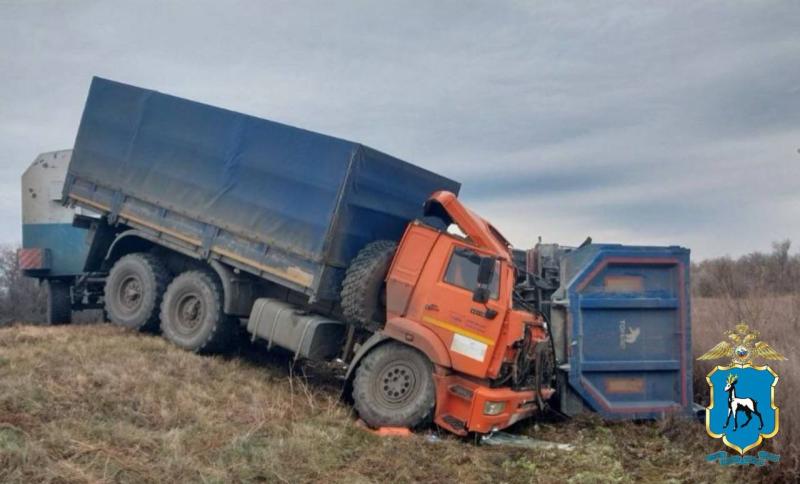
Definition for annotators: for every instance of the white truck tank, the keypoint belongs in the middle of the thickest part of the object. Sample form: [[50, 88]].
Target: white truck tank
[[51, 246]]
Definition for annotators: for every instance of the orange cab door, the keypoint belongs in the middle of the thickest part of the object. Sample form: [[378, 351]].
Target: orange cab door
[[448, 309]]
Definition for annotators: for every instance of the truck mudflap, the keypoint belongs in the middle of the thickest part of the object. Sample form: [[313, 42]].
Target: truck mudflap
[[622, 325]]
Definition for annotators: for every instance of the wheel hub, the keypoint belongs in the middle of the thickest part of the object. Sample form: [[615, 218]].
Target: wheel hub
[[397, 383], [130, 293], [190, 312]]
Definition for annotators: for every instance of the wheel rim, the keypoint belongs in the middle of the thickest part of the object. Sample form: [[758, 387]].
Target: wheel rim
[[397, 384], [130, 294], [189, 313]]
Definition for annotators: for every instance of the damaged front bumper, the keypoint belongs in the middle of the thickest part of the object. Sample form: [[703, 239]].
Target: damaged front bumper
[[463, 406]]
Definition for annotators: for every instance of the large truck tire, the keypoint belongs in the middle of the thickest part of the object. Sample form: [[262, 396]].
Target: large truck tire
[[133, 291], [394, 387], [192, 315], [59, 304], [364, 285]]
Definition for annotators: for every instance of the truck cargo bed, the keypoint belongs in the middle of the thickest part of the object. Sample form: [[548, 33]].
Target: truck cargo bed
[[289, 205]]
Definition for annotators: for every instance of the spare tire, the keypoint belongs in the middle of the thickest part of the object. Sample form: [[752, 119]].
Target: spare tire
[[364, 285]]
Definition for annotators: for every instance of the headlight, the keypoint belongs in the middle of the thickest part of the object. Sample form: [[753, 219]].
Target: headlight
[[493, 408]]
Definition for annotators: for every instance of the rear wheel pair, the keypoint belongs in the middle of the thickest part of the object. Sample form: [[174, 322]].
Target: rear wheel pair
[[188, 309]]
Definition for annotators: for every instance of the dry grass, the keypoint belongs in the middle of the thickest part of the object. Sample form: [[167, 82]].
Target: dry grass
[[778, 320], [98, 404]]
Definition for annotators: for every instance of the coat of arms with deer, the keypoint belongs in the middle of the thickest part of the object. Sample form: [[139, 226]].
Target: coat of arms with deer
[[742, 411]]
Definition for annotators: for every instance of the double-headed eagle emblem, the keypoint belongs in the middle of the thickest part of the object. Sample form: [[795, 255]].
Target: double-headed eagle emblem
[[744, 347]]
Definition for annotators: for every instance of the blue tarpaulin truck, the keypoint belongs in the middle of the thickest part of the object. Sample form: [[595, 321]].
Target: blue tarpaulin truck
[[205, 224]]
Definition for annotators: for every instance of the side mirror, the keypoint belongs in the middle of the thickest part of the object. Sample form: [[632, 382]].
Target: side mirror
[[486, 271], [485, 275]]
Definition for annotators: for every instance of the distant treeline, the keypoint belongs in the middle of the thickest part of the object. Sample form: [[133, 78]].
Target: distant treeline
[[754, 274]]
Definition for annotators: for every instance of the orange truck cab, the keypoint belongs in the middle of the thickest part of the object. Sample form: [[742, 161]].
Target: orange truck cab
[[449, 295]]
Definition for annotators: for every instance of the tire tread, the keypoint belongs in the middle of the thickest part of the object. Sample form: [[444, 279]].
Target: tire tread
[[160, 277], [222, 333], [411, 417], [59, 306]]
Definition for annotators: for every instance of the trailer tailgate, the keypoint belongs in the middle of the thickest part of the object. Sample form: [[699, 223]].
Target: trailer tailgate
[[628, 329]]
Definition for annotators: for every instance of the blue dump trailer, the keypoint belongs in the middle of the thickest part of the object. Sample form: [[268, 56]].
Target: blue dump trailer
[[207, 224], [620, 324]]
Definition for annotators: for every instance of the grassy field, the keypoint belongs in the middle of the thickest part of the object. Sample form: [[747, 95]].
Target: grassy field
[[99, 404]]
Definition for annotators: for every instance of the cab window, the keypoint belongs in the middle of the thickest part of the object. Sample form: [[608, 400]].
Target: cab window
[[462, 271]]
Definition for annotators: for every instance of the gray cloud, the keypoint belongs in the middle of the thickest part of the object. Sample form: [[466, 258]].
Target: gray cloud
[[637, 123]]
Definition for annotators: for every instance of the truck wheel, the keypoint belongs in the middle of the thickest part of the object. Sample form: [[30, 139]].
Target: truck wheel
[[192, 316], [394, 387], [364, 285], [133, 291], [59, 305]]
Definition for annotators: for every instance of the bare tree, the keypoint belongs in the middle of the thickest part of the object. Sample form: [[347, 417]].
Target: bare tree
[[21, 298], [755, 274]]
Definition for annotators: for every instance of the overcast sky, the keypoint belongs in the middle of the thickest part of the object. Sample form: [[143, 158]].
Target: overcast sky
[[638, 123]]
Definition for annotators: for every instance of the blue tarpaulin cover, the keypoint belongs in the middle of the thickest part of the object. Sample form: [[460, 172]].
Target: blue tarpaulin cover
[[314, 196]]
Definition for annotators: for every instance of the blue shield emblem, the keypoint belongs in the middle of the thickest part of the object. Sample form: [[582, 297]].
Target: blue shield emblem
[[742, 411]]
